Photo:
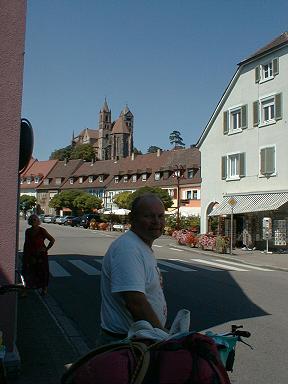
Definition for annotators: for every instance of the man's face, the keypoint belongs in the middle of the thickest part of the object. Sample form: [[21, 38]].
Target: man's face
[[149, 220]]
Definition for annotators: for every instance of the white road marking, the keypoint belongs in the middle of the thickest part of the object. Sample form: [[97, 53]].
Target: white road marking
[[157, 246], [221, 266], [247, 265], [56, 270], [85, 267], [176, 249], [101, 261], [175, 266]]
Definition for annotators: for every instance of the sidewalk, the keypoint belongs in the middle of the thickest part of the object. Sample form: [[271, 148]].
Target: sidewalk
[[43, 347]]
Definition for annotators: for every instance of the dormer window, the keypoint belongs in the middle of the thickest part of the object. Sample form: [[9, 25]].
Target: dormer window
[[157, 176], [46, 181], [125, 179], [58, 180], [134, 178], [28, 180], [80, 179], [144, 177], [101, 179], [22, 180], [190, 173], [71, 180], [90, 179], [267, 71], [116, 179], [36, 179]]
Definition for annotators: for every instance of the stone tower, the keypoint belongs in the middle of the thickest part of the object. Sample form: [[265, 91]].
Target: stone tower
[[122, 135], [105, 130]]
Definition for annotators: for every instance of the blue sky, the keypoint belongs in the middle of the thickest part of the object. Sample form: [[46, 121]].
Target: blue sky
[[169, 60]]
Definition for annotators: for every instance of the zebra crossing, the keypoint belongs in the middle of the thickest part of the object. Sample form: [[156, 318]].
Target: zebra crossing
[[66, 268]]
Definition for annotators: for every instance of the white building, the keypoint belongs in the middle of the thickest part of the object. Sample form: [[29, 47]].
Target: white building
[[244, 148]]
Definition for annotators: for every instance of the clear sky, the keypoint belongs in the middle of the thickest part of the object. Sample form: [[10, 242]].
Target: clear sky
[[168, 60]]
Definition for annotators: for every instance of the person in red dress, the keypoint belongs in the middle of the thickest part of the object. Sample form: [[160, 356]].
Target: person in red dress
[[35, 267]]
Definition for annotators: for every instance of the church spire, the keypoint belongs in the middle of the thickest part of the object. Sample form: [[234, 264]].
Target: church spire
[[105, 107]]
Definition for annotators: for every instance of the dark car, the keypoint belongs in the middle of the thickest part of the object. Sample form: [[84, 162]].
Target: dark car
[[85, 219], [73, 221]]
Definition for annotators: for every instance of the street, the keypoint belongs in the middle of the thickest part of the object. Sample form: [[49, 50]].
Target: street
[[217, 292]]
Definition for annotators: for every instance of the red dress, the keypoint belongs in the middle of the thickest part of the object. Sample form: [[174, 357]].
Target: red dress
[[35, 267]]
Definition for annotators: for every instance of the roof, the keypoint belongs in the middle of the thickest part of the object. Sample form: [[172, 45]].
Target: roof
[[105, 107], [251, 202], [40, 168], [62, 169], [120, 126], [31, 161], [279, 41]]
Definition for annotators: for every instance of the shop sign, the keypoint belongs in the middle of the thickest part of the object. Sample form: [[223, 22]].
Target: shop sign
[[267, 228]]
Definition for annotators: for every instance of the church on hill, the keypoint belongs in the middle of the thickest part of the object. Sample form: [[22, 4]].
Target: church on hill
[[112, 140]]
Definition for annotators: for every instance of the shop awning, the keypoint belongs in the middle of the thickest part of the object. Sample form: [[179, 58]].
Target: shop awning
[[251, 203]]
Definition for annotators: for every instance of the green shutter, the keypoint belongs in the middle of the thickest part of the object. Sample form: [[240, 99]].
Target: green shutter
[[255, 113], [225, 122], [224, 167], [275, 66], [278, 106], [242, 165], [257, 74], [244, 116], [267, 161]]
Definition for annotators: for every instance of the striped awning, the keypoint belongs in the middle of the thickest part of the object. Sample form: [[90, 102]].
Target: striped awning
[[251, 203]]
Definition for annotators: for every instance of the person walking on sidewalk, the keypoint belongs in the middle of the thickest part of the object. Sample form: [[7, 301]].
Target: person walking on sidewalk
[[35, 267], [131, 282]]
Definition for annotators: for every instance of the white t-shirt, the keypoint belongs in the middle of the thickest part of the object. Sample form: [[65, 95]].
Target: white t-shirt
[[129, 265]]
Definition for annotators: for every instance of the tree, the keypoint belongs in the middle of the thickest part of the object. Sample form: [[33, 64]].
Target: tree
[[176, 139], [83, 151], [87, 203], [161, 193], [153, 149], [137, 151], [122, 199], [27, 203], [65, 199], [61, 154]]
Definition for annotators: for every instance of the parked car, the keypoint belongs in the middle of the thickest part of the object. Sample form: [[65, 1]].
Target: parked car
[[55, 218], [74, 221], [48, 219], [85, 219], [61, 220]]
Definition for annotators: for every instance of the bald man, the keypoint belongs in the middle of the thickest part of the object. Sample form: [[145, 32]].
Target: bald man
[[131, 282]]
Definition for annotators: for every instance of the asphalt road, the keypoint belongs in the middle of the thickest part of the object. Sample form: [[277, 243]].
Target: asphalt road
[[218, 293]]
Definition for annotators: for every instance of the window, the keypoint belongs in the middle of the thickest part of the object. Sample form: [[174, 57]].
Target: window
[[58, 180], [71, 180], [46, 182], [116, 179], [101, 179], [267, 110], [267, 161], [233, 166], [80, 179], [144, 177], [235, 119], [125, 179], [22, 180], [134, 178], [188, 195], [90, 179], [157, 176], [28, 180], [267, 71], [190, 174], [195, 194], [36, 179]]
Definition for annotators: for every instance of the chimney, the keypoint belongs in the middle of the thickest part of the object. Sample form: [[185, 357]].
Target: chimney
[[132, 156], [93, 161], [158, 152], [65, 161]]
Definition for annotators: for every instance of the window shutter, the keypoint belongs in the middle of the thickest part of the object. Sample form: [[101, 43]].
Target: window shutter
[[278, 106], [242, 164], [198, 194], [255, 113], [275, 66], [225, 123], [262, 161], [257, 74], [224, 167], [244, 116], [267, 161]]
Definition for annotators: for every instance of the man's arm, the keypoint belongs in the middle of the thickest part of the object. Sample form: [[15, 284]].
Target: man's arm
[[140, 308]]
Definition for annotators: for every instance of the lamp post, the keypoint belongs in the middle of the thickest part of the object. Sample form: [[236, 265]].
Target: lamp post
[[178, 173]]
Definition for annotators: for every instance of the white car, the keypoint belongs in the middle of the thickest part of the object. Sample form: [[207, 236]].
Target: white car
[[48, 219], [61, 220]]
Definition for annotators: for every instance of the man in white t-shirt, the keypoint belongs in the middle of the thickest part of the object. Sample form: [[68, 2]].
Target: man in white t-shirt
[[131, 283]]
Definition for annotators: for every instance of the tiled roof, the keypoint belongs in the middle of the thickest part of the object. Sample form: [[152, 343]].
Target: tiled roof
[[277, 42], [62, 169], [38, 168], [31, 161], [120, 126]]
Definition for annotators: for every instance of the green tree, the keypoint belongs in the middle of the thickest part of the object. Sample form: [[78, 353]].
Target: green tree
[[87, 203], [162, 193], [176, 139], [27, 203], [65, 199], [122, 199], [153, 149], [83, 151], [61, 154], [137, 151]]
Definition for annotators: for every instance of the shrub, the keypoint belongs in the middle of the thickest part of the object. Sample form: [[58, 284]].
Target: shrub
[[185, 237], [207, 241], [103, 226]]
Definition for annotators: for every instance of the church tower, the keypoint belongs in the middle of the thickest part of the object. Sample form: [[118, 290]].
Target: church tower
[[122, 135], [105, 128]]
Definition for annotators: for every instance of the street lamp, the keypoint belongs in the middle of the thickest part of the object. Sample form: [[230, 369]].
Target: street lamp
[[178, 173]]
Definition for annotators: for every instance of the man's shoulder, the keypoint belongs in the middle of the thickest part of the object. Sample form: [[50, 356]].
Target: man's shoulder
[[127, 237]]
